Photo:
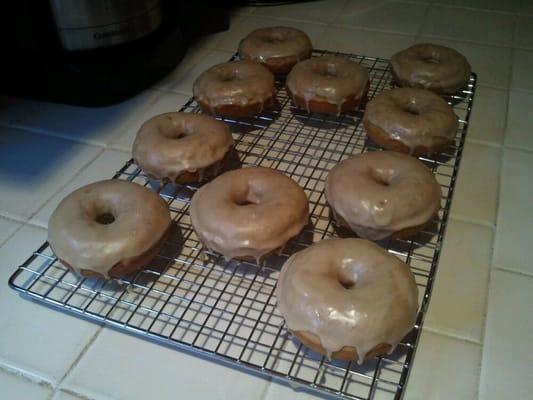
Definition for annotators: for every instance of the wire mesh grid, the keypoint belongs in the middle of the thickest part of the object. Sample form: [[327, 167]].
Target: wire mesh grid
[[192, 299]]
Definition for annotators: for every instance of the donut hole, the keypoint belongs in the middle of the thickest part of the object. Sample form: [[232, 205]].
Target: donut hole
[[171, 131], [179, 135], [381, 177], [228, 76], [105, 218], [412, 109], [431, 60], [347, 278], [330, 70], [275, 38], [248, 196], [346, 283], [243, 202], [348, 273], [246, 199]]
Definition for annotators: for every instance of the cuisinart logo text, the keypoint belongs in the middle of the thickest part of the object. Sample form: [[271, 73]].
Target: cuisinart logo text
[[115, 32]]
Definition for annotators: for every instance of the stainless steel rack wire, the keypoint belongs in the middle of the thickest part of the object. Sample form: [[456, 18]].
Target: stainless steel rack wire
[[191, 299]]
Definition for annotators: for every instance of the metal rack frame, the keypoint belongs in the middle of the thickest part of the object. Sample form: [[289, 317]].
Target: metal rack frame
[[189, 298]]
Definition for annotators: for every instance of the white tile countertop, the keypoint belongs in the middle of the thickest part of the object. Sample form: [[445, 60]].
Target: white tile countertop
[[476, 341]]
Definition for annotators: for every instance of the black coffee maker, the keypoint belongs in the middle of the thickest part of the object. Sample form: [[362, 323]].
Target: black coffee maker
[[97, 52]]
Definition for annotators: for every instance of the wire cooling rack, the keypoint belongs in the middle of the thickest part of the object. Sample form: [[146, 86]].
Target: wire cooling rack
[[189, 298]]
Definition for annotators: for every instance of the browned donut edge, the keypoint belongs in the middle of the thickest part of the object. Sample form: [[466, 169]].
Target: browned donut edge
[[277, 250], [208, 172], [280, 66], [434, 87], [126, 266], [319, 106], [283, 65], [235, 111], [347, 353], [385, 141], [401, 234], [252, 259], [193, 177]]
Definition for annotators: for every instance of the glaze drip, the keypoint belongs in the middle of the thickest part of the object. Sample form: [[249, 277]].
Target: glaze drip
[[349, 293], [431, 66], [107, 222], [331, 79], [170, 144], [250, 83], [266, 44], [378, 193], [233, 214], [414, 117]]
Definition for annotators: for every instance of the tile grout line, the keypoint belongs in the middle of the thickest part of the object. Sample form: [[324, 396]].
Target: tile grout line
[[484, 143], [29, 221], [73, 393], [345, 27], [339, 12], [166, 90], [12, 234], [494, 238], [366, 29], [45, 132], [35, 224], [496, 86], [511, 70], [289, 19], [26, 375], [115, 147], [461, 7], [516, 148], [21, 224], [78, 358], [277, 17], [515, 30], [471, 221], [489, 279], [451, 336], [424, 17], [403, 33], [80, 170], [493, 241], [73, 138], [419, 33], [12, 217], [266, 390], [112, 147], [469, 41], [512, 270], [181, 92], [503, 88], [484, 327], [517, 89]]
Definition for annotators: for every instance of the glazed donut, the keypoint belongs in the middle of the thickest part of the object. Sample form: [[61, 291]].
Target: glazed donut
[[382, 194], [248, 213], [278, 48], [414, 121], [348, 299], [327, 84], [108, 228], [235, 89], [430, 66], [181, 147]]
